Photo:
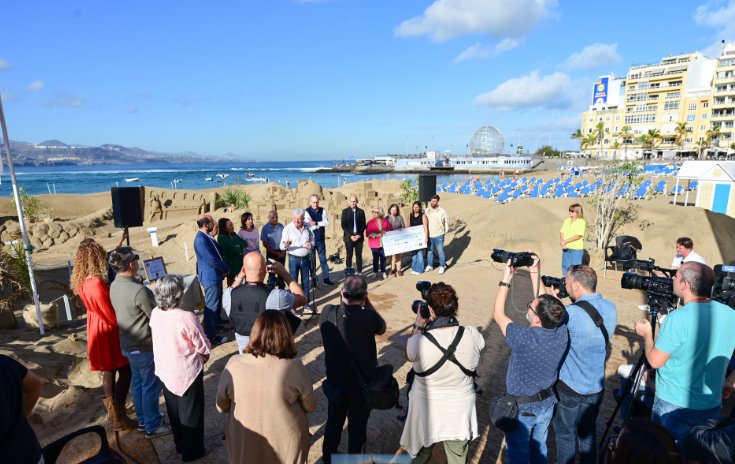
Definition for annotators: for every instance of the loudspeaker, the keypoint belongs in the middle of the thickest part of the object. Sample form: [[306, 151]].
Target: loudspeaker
[[427, 186], [127, 206]]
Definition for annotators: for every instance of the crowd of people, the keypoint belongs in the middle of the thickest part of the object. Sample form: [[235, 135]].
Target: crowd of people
[[145, 344]]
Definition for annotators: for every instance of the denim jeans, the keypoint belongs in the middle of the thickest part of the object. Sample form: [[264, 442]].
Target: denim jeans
[[321, 250], [570, 258], [417, 261], [680, 420], [575, 422], [301, 265], [145, 389], [212, 303], [527, 443], [437, 242]]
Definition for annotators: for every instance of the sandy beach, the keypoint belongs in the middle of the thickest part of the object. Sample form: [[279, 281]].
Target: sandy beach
[[72, 395]]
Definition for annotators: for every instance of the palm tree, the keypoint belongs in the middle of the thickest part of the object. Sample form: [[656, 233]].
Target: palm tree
[[702, 145], [626, 135], [578, 135], [599, 133], [588, 141], [713, 135], [615, 146], [681, 132]]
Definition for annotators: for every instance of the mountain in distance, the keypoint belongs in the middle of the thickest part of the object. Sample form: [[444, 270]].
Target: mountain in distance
[[57, 153]]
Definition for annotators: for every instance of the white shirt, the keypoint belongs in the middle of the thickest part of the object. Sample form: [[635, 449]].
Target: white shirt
[[298, 239], [693, 257], [315, 225]]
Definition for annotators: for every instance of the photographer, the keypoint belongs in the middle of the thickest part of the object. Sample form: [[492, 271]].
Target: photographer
[[535, 358], [691, 353], [442, 401], [582, 375], [246, 298]]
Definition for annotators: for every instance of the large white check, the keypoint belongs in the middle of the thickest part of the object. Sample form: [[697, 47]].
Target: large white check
[[404, 240]]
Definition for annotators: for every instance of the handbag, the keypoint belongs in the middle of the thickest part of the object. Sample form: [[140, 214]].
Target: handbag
[[504, 412], [380, 392]]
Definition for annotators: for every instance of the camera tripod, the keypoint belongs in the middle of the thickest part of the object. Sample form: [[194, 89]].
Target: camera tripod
[[313, 284], [656, 304]]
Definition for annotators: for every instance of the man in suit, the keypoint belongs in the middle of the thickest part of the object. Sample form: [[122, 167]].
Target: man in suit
[[211, 269], [353, 225]]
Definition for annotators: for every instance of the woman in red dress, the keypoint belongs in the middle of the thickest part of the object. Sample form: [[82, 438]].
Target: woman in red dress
[[89, 281]]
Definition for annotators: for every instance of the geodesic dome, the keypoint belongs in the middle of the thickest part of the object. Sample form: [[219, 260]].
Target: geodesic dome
[[487, 141]]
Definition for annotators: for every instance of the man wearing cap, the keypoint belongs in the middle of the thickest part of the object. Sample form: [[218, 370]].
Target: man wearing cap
[[133, 303], [246, 298]]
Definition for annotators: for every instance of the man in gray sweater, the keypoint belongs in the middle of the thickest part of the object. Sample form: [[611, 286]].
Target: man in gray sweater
[[133, 303]]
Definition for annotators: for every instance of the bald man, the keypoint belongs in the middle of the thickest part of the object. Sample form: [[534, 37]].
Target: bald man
[[211, 270]]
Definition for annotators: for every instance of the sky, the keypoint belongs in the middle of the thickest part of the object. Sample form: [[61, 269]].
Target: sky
[[327, 79]]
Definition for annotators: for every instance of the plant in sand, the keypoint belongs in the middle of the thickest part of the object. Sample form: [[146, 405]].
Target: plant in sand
[[409, 192], [611, 209], [14, 276], [237, 199], [32, 207]]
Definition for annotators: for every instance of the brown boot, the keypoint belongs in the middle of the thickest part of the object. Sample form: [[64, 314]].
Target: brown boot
[[117, 416], [400, 272]]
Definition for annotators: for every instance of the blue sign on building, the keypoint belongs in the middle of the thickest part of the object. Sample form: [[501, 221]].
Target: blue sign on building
[[599, 94]]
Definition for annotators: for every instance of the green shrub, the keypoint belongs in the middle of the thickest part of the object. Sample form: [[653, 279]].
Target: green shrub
[[409, 192], [32, 207], [14, 276], [239, 199]]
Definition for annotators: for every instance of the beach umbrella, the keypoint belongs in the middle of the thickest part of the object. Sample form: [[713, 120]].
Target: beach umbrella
[[21, 218]]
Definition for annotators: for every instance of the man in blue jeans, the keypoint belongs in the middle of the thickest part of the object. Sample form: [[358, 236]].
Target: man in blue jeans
[[133, 303], [438, 227], [691, 353], [297, 241], [211, 269], [317, 218], [582, 375], [535, 358]]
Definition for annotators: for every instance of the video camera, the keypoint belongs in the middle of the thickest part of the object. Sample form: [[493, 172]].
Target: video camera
[[421, 305], [724, 288], [558, 283], [646, 265], [520, 259], [660, 290]]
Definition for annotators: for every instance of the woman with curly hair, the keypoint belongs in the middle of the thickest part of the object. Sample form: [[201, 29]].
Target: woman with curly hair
[[89, 281]]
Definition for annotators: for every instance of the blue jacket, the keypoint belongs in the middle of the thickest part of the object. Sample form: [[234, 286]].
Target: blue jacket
[[211, 268]]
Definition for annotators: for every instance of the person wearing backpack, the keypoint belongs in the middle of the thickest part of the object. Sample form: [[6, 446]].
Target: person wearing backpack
[[441, 407]]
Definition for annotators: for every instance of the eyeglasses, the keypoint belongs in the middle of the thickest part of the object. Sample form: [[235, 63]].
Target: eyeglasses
[[528, 306], [136, 258]]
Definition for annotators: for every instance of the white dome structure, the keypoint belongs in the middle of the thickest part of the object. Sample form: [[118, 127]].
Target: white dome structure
[[487, 141]]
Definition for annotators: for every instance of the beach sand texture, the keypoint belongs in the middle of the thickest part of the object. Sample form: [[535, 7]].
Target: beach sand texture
[[72, 395]]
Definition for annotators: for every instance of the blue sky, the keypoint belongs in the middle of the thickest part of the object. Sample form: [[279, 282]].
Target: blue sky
[[327, 79]]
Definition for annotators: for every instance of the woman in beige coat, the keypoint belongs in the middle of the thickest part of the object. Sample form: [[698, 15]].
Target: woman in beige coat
[[267, 392]]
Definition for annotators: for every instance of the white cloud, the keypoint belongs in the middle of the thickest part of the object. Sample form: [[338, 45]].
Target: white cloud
[[479, 51], [34, 86], [719, 16], [532, 90], [593, 56], [4, 65], [445, 19], [66, 100], [132, 109]]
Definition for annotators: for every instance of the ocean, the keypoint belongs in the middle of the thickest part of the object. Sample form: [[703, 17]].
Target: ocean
[[91, 179]]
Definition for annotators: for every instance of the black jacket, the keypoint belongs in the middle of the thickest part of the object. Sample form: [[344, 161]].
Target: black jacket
[[348, 222]]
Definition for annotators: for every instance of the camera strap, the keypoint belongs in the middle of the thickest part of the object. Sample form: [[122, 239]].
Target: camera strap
[[447, 355], [596, 318]]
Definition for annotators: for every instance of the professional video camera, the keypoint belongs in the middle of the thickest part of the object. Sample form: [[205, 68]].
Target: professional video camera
[[647, 265], [520, 259], [724, 288], [421, 305], [558, 283], [660, 290]]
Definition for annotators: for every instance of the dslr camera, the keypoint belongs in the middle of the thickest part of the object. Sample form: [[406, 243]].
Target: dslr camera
[[421, 306], [724, 288], [520, 259], [558, 283]]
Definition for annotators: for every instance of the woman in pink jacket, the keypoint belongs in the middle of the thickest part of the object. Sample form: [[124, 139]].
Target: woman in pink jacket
[[376, 227]]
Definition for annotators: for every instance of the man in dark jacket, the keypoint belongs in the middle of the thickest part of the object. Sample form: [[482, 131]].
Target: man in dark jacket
[[211, 269], [353, 226]]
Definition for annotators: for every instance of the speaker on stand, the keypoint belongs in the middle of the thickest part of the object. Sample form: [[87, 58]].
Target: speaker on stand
[[127, 207], [427, 187]]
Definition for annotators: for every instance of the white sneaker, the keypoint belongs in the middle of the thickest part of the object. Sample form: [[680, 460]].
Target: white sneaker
[[415, 273], [442, 269], [428, 268], [306, 310], [385, 276], [644, 307]]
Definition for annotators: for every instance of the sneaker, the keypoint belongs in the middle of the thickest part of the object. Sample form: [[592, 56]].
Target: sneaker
[[415, 273], [141, 428], [163, 429], [218, 341], [307, 311], [442, 269], [385, 276], [428, 268], [328, 282], [644, 307]]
